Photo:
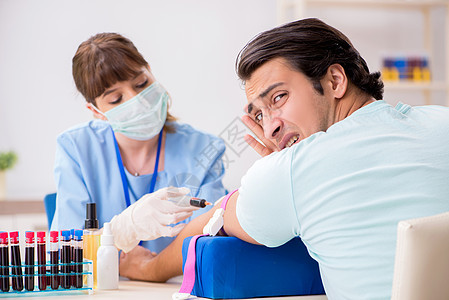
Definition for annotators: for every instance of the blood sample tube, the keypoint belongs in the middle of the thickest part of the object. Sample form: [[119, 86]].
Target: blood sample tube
[[66, 258], [72, 267], [41, 260], [4, 261], [29, 260], [78, 257], [17, 280], [54, 259]]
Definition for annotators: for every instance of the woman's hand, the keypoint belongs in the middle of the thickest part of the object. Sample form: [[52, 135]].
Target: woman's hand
[[264, 149], [149, 218]]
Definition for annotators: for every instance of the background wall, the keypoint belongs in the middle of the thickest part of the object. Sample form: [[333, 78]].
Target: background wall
[[191, 47]]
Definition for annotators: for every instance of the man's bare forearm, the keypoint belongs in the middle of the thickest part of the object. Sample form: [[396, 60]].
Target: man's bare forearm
[[168, 263]]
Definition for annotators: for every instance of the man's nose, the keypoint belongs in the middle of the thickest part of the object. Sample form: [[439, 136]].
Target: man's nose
[[272, 129]]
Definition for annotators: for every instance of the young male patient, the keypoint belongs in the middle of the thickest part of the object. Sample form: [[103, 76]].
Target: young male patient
[[341, 167]]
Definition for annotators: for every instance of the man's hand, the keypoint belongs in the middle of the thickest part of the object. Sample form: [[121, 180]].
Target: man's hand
[[134, 264], [264, 149]]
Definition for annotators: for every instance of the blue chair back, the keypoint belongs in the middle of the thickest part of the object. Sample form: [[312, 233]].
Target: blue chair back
[[50, 207]]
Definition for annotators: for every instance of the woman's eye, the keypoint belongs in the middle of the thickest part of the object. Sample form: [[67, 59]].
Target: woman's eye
[[278, 97], [258, 117], [142, 85], [117, 101]]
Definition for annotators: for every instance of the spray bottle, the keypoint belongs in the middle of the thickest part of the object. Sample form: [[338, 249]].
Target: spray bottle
[[91, 238], [107, 261]]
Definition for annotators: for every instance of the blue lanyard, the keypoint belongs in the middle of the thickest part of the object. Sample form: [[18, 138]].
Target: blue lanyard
[[122, 169]]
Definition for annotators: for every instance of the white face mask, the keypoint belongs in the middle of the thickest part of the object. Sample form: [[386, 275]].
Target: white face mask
[[141, 117]]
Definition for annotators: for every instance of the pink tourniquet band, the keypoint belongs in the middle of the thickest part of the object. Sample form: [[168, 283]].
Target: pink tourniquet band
[[188, 280]]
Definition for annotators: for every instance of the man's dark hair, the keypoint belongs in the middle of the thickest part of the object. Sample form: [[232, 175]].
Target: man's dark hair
[[310, 46]]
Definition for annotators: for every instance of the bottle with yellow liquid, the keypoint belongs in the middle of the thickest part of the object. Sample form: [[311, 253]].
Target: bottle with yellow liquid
[[91, 237]]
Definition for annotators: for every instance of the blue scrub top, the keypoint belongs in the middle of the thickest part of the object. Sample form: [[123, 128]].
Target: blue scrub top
[[86, 170]]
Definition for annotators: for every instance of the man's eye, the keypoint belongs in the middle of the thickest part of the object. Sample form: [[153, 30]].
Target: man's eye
[[258, 117], [142, 85], [278, 97]]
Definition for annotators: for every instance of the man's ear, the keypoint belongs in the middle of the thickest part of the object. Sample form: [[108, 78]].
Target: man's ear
[[97, 115], [339, 82]]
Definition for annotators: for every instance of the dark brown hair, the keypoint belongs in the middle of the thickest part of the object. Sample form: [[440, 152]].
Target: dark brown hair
[[103, 60], [310, 46]]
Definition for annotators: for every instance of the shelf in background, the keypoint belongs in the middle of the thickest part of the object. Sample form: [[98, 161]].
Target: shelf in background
[[290, 10], [416, 86], [379, 3], [15, 207]]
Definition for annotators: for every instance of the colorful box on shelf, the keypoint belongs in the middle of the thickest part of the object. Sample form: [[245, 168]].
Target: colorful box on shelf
[[406, 68]]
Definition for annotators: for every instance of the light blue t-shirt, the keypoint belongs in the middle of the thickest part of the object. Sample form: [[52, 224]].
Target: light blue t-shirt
[[86, 170], [344, 191]]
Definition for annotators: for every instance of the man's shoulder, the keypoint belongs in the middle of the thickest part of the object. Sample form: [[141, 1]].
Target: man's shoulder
[[278, 161], [436, 113]]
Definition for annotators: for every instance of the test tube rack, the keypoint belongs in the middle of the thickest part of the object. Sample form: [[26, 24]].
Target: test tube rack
[[87, 274]]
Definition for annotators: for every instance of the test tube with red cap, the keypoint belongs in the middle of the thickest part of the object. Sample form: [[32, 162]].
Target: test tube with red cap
[[4, 261], [16, 262], [29, 260], [41, 259], [54, 259]]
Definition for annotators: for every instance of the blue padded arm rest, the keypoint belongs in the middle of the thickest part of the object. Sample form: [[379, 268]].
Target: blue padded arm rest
[[227, 267]]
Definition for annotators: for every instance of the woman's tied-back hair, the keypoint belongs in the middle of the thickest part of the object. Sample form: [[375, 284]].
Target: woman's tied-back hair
[[103, 60], [310, 46]]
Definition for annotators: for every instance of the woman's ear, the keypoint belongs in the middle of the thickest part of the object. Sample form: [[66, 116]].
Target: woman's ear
[[97, 115], [337, 76]]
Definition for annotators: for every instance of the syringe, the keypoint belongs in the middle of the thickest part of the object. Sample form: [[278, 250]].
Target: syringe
[[197, 202]]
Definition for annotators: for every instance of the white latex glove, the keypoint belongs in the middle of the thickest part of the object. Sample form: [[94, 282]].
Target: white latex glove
[[147, 219]]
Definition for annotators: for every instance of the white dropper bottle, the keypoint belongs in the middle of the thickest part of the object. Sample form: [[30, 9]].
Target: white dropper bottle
[[107, 261]]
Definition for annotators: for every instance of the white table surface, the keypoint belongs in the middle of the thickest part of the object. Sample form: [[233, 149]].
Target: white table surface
[[134, 290]]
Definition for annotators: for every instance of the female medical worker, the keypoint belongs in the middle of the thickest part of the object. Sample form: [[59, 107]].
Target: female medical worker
[[133, 148]]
